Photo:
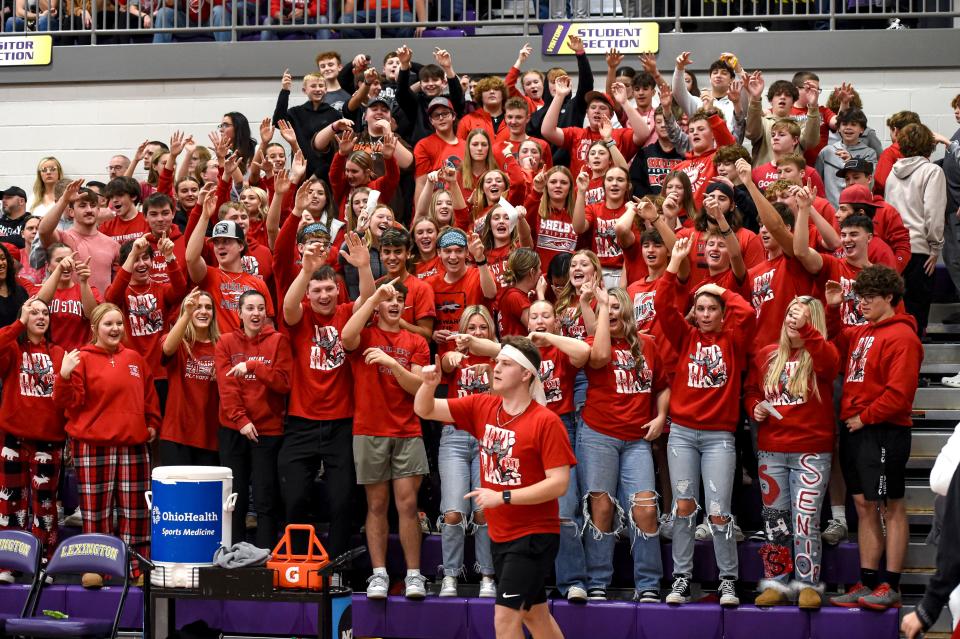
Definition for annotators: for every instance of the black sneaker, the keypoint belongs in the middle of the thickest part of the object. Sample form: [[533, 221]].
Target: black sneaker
[[680, 591], [647, 596], [728, 593], [596, 594]]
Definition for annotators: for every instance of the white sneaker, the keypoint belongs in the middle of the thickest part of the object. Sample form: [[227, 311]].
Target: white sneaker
[[415, 587], [448, 587], [6, 577], [703, 532], [728, 593], [488, 588], [74, 519], [377, 586], [953, 382], [576, 594], [835, 532], [896, 25], [760, 29], [738, 30]]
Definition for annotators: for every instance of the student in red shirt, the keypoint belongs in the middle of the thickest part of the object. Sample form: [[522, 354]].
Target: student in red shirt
[[600, 220], [704, 411], [784, 141], [883, 358], [637, 217], [525, 461], [477, 160], [516, 117], [419, 311], [440, 147], [318, 433], [626, 408], [426, 259], [192, 417], [31, 426], [789, 392], [128, 224], [575, 302], [146, 303], [351, 169], [442, 198], [531, 91], [493, 186], [112, 412], [513, 304], [492, 93], [678, 205], [228, 280], [253, 366], [388, 443], [459, 457], [707, 133], [549, 204], [70, 302]]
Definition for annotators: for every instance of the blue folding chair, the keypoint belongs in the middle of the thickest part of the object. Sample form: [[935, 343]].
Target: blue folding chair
[[97, 553], [20, 552]]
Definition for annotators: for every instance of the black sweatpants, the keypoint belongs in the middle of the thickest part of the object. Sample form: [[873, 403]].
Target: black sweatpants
[[254, 463]]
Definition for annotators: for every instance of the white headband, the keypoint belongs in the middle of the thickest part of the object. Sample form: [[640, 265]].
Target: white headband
[[536, 388]]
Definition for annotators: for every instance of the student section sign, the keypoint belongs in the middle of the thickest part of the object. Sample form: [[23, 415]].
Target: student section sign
[[600, 37], [28, 50]]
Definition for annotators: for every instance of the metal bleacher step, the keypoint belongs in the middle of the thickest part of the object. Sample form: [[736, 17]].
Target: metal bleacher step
[[921, 556], [919, 497], [941, 310], [937, 398]]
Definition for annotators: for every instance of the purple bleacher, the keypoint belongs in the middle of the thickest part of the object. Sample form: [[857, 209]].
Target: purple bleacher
[[612, 619], [852, 623], [454, 32], [447, 618], [369, 617], [781, 622], [703, 621]]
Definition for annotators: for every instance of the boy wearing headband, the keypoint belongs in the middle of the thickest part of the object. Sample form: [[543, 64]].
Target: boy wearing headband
[[525, 460]]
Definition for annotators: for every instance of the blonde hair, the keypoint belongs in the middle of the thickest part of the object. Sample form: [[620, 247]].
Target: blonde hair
[[520, 263], [799, 384], [545, 200], [97, 315], [38, 187], [478, 199], [263, 197], [629, 323], [481, 310], [351, 215], [190, 334], [568, 292], [467, 166]]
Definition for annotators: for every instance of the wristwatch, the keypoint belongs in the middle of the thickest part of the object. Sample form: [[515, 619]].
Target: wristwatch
[[610, 143], [506, 496]]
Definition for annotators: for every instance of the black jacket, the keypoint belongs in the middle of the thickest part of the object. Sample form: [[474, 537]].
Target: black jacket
[[306, 122], [947, 576], [415, 106]]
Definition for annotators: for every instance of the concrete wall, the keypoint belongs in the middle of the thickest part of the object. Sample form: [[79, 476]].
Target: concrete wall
[[84, 123]]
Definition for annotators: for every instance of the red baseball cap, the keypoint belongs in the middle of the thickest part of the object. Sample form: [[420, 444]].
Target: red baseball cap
[[598, 95], [857, 194]]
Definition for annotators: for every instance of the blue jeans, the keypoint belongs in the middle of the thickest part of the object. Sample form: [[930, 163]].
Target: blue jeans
[[793, 486], [318, 34], [459, 465], [620, 469], [570, 565], [710, 454], [388, 17], [19, 25], [167, 18]]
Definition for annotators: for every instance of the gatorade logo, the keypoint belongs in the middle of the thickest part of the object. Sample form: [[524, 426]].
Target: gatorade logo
[[293, 574]]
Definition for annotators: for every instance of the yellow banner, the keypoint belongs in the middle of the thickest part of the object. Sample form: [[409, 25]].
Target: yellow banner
[[600, 37], [26, 50]]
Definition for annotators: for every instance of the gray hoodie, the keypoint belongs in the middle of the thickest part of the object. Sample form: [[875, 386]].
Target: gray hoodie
[[828, 163], [918, 189]]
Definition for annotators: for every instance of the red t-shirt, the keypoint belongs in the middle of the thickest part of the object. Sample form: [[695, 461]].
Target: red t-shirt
[[773, 284], [571, 320], [392, 407], [122, 231], [621, 396], [320, 368], [226, 289], [420, 300], [69, 327], [515, 452], [497, 263], [551, 235], [557, 373], [450, 300], [193, 403], [840, 270], [751, 248], [643, 293], [511, 303], [429, 268], [767, 174], [578, 142], [603, 234], [431, 152], [472, 377]]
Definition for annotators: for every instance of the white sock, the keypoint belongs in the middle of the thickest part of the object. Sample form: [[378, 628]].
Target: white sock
[[839, 513], [380, 571], [414, 572]]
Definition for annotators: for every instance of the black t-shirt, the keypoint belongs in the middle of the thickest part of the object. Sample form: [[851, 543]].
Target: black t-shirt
[[650, 167], [10, 306], [11, 229]]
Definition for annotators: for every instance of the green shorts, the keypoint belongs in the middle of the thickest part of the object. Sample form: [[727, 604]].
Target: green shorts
[[380, 459]]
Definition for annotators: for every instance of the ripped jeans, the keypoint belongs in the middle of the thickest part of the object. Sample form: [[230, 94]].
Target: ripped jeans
[[793, 486], [620, 469], [693, 453], [570, 565], [459, 465]]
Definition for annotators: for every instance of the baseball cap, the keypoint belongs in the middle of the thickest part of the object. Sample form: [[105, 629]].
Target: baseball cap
[[228, 229], [15, 191], [598, 95], [387, 101], [438, 102], [856, 164], [857, 194]]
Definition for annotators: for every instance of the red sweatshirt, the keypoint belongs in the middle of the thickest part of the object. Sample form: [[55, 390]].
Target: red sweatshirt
[[888, 226], [888, 157], [706, 385], [28, 371], [808, 424], [700, 168], [260, 395], [882, 368], [386, 184], [109, 399], [513, 76]]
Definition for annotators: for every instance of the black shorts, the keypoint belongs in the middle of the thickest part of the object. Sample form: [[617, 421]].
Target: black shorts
[[874, 460], [522, 567]]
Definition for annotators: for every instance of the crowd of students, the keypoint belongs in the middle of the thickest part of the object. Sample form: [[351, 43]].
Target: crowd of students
[[696, 311]]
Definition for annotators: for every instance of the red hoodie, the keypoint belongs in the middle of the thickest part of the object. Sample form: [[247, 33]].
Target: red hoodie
[[109, 399], [260, 395], [888, 226], [700, 168], [158, 271], [705, 393], [28, 371], [808, 424], [882, 368]]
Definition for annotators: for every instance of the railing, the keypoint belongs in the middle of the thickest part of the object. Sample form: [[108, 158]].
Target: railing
[[122, 21]]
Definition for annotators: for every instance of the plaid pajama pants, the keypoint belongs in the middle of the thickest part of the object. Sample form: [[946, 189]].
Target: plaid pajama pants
[[29, 477], [114, 479]]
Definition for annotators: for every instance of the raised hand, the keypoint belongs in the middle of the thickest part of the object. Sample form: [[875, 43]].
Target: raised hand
[[833, 293], [298, 167], [405, 55], [562, 87], [619, 92], [302, 198], [736, 88], [281, 182], [525, 52], [357, 253], [614, 58], [681, 248], [346, 142], [287, 133], [755, 85], [744, 171], [475, 247], [649, 62], [583, 181], [286, 81], [575, 43], [177, 143], [70, 361], [684, 60], [266, 132], [666, 97], [540, 181]]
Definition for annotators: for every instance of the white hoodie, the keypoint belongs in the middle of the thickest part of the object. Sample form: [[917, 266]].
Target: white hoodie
[[918, 189]]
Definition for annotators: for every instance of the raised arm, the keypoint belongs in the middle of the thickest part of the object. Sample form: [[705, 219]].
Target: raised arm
[[688, 103], [193, 253], [811, 260], [577, 351], [579, 214], [48, 223], [175, 337], [549, 129], [601, 351]]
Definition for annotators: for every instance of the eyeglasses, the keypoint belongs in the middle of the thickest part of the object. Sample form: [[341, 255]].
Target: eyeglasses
[[49, 169], [810, 87], [115, 167], [441, 115], [224, 125]]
